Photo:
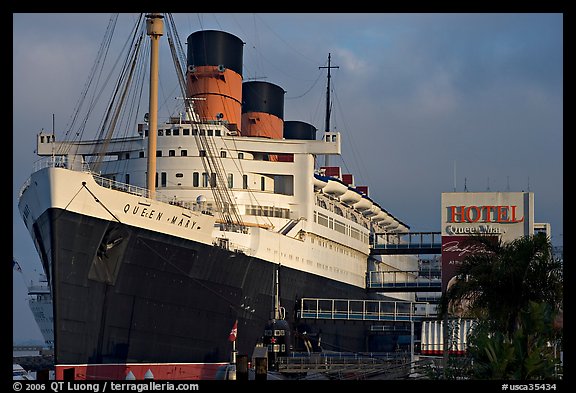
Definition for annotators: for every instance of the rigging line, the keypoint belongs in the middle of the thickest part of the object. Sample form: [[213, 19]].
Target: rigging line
[[97, 96], [103, 48], [199, 282], [179, 47], [240, 169], [93, 103], [221, 194], [239, 25], [74, 197], [100, 202], [259, 65], [124, 77], [217, 21], [285, 42], [199, 21], [130, 119], [94, 97], [135, 41], [210, 165], [223, 179], [210, 162], [307, 91], [351, 140], [116, 114]]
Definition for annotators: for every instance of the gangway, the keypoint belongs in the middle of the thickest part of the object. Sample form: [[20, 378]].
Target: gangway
[[365, 310], [403, 281], [406, 243]]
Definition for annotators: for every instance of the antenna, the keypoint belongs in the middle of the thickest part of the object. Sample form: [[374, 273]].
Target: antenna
[[488, 184], [465, 188], [528, 183], [327, 125], [53, 137], [454, 175], [276, 314], [508, 183]]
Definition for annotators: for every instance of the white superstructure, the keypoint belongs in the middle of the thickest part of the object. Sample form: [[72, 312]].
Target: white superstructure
[[290, 217]]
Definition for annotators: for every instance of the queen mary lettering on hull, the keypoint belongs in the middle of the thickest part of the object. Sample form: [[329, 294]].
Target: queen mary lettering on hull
[[155, 242]]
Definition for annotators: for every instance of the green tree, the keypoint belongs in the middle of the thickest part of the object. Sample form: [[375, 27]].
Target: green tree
[[527, 354], [515, 291]]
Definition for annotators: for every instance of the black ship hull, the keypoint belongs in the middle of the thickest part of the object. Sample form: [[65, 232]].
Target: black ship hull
[[125, 294]]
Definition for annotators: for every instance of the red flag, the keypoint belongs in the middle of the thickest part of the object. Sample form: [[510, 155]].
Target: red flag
[[234, 332]]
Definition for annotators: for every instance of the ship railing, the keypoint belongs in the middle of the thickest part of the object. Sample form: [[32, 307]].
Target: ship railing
[[24, 187], [366, 310], [39, 289], [390, 365], [135, 190], [432, 297], [306, 360], [402, 279], [57, 162], [239, 249], [226, 244], [49, 162]]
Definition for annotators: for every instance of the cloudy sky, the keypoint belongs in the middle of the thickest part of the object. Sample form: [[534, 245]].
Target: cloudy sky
[[424, 102]]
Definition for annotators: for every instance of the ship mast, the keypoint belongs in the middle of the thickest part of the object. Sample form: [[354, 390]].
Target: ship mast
[[154, 28], [328, 106]]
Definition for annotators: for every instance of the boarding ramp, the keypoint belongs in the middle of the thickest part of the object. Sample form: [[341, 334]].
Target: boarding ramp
[[409, 243], [404, 281], [365, 310]]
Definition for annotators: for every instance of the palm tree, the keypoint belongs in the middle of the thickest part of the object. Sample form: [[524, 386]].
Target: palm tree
[[527, 354], [515, 291], [499, 284]]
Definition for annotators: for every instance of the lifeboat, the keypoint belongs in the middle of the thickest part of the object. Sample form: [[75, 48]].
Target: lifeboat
[[363, 204], [373, 211], [401, 229], [320, 181], [351, 196], [335, 187], [392, 226], [382, 218]]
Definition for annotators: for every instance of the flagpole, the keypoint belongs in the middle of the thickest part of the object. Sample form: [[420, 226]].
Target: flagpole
[[232, 337]]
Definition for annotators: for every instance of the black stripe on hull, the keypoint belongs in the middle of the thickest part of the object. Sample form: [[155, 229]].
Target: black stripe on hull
[[127, 294]]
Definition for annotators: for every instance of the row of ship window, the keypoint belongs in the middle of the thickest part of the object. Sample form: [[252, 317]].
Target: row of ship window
[[183, 153], [339, 226], [185, 132], [205, 180], [350, 215], [208, 180]]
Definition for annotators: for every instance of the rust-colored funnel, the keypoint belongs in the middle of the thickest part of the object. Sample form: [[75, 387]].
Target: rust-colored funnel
[[214, 74], [262, 110]]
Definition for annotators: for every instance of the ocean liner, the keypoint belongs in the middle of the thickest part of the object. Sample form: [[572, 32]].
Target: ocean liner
[[154, 243], [40, 303]]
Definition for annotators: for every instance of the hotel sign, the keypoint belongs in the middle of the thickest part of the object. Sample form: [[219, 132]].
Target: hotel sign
[[474, 213], [484, 215], [504, 215]]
